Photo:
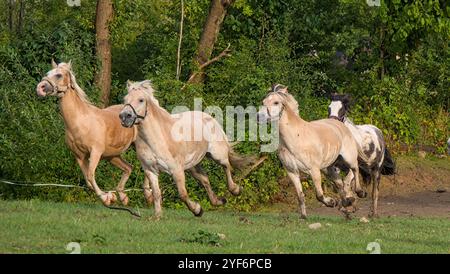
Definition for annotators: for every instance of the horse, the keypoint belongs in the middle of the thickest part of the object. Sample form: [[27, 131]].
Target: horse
[[312, 147], [91, 133], [374, 157], [161, 147]]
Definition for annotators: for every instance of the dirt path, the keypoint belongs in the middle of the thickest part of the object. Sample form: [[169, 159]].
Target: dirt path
[[420, 188]]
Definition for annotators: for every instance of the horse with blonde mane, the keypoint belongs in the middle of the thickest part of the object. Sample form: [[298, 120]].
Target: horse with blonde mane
[[92, 134], [170, 143], [312, 147]]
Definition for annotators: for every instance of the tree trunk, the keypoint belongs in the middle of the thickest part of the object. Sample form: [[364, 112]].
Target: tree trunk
[[11, 4], [103, 17], [217, 12], [382, 53], [21, 16]]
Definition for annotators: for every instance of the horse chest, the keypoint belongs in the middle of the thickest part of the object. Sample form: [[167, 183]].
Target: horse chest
[[76, 144]]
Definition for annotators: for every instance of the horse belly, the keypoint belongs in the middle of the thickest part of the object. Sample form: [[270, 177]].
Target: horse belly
[[290, 162]]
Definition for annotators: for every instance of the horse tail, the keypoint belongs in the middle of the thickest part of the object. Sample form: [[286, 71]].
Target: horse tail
[[365, 173], [388, 166], [238, 161]]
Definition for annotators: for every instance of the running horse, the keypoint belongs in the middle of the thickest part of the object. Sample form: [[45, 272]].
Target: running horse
[[169, 143], [374, 157], [312, 147], [92, 133]]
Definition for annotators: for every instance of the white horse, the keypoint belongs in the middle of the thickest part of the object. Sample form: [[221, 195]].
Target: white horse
[[161, 145], [374, 157], [312, 147]]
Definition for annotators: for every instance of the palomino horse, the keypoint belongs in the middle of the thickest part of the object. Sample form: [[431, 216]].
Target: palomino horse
[[374, 157], [91, 133], [161, 147], [310, 147]]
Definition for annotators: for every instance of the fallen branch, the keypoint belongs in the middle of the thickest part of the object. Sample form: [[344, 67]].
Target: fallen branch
[[136, 214], [253, 167]]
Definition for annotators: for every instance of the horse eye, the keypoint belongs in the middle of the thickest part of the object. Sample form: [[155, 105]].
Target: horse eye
[[141, 100], [59, 75], [276, 103]]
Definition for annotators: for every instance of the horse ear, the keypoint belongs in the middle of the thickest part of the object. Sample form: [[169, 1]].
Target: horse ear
[[70, 64], [146, 83], [129, 83], [283, 89], [54, 65], [279, 88]]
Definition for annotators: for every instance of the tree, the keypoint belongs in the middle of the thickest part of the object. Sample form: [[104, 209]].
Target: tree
[[211, 28], [11, 5], [21, 17], [104, 16], [403, 24]]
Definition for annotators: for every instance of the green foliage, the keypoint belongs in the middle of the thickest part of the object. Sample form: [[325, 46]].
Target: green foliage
[[203, 237]]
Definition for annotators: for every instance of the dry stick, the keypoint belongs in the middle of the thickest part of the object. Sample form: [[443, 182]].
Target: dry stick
[[136, 214], [179, 41], [224, 53], [253, 167]]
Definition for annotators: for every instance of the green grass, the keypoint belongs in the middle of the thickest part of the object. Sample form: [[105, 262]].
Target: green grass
[[45, 227]]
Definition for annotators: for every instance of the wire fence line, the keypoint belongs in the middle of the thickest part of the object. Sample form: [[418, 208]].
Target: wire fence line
[[33, 184]]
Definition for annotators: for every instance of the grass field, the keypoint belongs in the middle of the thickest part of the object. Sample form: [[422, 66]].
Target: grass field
[[44, 227]]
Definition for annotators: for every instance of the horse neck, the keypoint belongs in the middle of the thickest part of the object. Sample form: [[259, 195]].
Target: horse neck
[[71, 107], [157, 125], [290, 121]]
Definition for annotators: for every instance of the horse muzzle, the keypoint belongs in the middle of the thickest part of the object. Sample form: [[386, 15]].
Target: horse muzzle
[[127, 119], [43, 89]]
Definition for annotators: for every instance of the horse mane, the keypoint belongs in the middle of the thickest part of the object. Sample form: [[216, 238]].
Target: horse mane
[[81, 94], [287, 97], [345, 99], [147, 85]]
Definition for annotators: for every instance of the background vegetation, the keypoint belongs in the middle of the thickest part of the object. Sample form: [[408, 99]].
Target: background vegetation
[[394, 60]]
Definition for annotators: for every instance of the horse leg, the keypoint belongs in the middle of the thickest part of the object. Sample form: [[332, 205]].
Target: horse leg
[[153, 177], [344, 188], [84, 169], [219, 153], [375, 188], [147, 190], [126, 169], [316, 177], [198, 173], [180, 181], [295, 179], [358, 189], [107, 198]]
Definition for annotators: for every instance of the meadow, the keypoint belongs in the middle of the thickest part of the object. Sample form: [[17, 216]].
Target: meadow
[[46, 227]]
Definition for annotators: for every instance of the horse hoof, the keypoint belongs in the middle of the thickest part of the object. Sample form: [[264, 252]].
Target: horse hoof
[[331, 203], [106, 200], [237, 190], [346, 202], [221, 201], [362, 194], [303, 216], [123, 198], [112, 197], [200, 213]]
